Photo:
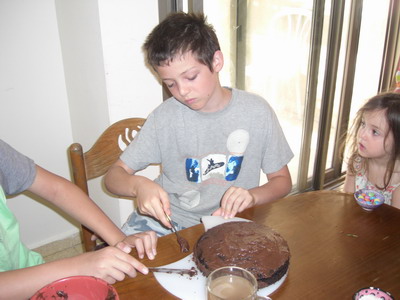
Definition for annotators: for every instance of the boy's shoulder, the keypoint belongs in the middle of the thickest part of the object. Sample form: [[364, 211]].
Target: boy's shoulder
[[168, 106], [241, 99], [245, 95], [251, 101]]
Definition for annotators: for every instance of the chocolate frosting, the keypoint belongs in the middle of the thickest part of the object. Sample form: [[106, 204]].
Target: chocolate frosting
[[249, 245]]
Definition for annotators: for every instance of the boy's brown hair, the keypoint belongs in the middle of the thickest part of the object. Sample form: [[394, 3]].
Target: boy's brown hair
[[178, 34]]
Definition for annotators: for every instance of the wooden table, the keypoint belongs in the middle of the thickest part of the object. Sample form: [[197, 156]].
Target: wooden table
[[336, 248]]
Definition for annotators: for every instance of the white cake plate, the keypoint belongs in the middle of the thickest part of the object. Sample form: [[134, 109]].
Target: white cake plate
[[193, 288]]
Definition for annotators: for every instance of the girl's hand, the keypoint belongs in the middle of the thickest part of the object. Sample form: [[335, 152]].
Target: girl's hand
[[144, 242], [235, 200]]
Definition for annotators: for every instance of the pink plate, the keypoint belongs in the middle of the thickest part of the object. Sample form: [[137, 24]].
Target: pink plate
[[372, 293], [77, 288]]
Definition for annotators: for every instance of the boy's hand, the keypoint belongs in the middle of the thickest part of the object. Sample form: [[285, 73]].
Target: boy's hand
[[235, 200], [144, 242], [154, 201], [110, 264]]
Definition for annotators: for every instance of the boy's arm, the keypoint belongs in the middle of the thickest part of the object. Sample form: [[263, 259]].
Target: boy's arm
[[119, 180], [237, 199], [71, 199], [278, 186], [110, 264], [151, 198]]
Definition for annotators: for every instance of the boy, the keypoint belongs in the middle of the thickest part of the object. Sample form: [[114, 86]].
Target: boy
[[22, 271], [211, 141]]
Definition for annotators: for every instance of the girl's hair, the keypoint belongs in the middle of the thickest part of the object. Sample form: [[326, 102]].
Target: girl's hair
[[390, 103], [178, 34]]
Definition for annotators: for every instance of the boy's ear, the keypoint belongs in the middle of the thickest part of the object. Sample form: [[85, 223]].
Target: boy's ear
[[218, 61]]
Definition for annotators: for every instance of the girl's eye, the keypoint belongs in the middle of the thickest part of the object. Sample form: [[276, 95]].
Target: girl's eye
[[375, 132], [169, 85], [193, 77]]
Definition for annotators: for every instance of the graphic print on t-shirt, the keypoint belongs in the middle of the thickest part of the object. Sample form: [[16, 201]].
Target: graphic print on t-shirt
[[219, 166], [212, 166]]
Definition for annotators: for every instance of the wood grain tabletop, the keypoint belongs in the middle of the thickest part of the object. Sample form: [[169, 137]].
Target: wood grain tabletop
[[336, 248]]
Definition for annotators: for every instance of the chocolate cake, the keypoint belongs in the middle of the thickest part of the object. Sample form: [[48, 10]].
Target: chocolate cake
[[249, 245]]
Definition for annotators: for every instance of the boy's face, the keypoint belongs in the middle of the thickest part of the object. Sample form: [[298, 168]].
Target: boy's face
[[193, 84]]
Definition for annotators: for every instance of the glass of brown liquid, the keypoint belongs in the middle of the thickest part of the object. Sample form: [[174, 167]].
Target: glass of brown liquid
[[232, 283]]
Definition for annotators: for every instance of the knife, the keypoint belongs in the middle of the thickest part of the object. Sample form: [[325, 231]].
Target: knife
[[191, 272]]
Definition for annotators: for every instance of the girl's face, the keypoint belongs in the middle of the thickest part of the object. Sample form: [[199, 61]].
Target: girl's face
[[373, 140]]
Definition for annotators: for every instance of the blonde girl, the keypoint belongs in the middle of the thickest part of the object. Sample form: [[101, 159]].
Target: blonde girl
[[374, 148]]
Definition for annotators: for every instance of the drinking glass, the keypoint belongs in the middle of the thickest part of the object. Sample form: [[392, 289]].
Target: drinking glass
[[232, 283]]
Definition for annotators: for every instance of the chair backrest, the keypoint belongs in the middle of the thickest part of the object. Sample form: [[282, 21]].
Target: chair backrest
[[96, 161]]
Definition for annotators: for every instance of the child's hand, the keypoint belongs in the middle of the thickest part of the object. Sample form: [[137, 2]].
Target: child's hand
[[110, 264], [153, 200], [144, 242], [235, 200]]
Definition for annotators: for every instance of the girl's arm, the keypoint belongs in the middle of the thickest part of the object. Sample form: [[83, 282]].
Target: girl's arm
[[349, 183], [396, 197]]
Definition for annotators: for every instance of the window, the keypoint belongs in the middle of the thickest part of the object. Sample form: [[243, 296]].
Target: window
[[315, 62]]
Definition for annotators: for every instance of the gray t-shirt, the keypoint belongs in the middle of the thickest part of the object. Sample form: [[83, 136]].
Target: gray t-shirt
[[203, 154], [17, 172]]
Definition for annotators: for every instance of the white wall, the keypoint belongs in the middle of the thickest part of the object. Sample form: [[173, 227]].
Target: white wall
[[77, 64], [132, 90]]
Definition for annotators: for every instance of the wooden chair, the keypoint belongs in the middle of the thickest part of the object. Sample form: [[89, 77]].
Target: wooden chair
[[96, 161]]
